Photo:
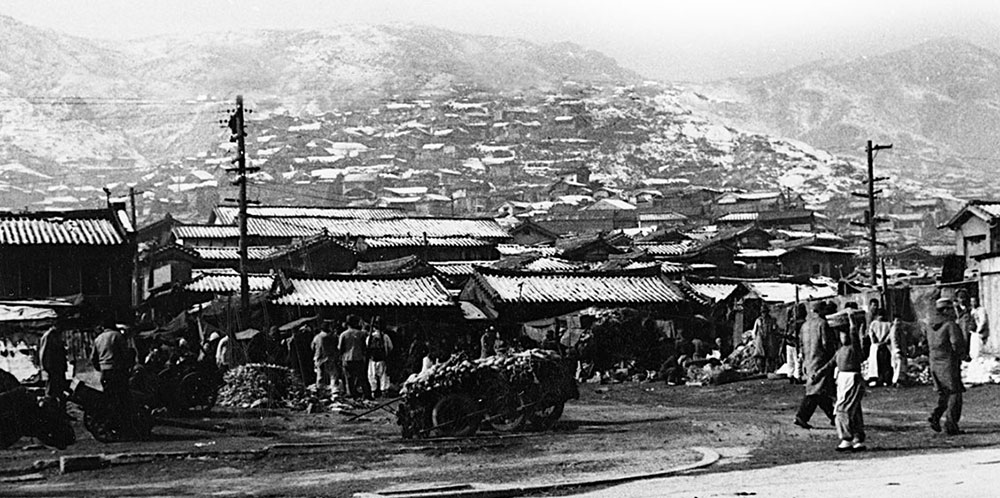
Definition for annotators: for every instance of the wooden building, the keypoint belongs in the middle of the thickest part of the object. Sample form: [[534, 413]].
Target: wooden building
[[63, 253]]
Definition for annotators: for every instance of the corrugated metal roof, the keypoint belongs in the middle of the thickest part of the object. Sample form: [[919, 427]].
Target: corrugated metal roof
[[412, 227], [580, 288], [232, 253], [54, 229], [421, 242], [225, 281], [227, 215], [341, 290], [205, 232]]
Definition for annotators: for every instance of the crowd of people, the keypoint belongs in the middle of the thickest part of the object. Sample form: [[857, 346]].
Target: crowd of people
[[834, 347], [340, 358], [835, 354]]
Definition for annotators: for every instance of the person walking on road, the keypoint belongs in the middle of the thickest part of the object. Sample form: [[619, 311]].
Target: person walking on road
[[52, 358], [351, 345], [850, 391], [947, 347], [818, 345]]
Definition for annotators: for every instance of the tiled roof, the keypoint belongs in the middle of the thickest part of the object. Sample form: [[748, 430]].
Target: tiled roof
[[940, 250], [232, 253], [552, 264], [534, 287], [715, 292], [307, 243], [358, 290], [205, 232], [783, 292], [413, 227], [672, 268], [761, 253], [515, 249], [53, 228], [227, 215], [738, 217], [226, 281], [381, 242], [668, 249], [458, 268], [662, 217], [992, 209], [829, 250]]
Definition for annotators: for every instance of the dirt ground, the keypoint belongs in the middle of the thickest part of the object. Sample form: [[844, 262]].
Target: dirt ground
[[612, 430]]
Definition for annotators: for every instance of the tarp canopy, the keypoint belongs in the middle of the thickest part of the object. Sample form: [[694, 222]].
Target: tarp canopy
[[16, 313], [294, 324]]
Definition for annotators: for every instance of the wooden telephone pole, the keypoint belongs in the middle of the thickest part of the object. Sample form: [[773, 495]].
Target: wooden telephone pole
[[871, 220], [236, 126]]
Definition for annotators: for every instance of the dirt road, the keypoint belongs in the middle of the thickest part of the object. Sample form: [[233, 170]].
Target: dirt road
[[612, 430]]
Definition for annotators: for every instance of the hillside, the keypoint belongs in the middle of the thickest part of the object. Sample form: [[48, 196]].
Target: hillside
[[938, 103], [70, 104]]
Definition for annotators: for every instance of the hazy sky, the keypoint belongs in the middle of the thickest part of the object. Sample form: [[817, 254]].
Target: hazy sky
[[673, 40]]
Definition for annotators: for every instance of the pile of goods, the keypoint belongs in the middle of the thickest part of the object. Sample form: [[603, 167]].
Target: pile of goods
[[704, 374], [257, 385], [981, 370], [453, 397], [918, 370]]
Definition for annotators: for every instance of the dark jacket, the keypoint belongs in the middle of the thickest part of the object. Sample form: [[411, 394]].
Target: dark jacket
[[946, 348], [52, 352]]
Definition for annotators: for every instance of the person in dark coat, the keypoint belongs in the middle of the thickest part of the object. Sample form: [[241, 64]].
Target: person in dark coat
[[351, 345], [52, 357], [300, 354], [818, 346], [947, 348]]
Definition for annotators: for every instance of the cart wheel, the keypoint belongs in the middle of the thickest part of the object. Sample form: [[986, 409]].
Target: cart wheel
[[196, 392], [101, 427], [505, 412], [455, 415], [546, 411]]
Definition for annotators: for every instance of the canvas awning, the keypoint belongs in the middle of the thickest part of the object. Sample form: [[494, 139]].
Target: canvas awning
[[15, 313]]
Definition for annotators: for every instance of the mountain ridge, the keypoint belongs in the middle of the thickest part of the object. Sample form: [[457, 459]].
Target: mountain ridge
[[938, 102]]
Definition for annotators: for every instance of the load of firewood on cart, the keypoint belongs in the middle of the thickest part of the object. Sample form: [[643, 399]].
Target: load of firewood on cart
[[505, 393]]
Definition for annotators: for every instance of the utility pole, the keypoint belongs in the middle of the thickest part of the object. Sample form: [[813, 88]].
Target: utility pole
[[871, 220], [236, 126], [136, 286]]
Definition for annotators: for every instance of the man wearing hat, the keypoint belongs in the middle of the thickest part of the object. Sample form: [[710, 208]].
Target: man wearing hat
[[947, 347], [818, 345]]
